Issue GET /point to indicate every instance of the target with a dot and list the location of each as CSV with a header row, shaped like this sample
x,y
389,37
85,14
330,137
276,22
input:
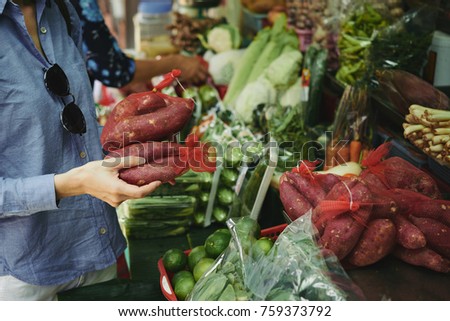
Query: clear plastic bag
x,y
294,269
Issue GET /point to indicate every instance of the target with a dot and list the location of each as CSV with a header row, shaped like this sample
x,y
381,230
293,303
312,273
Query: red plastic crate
x,y
165,276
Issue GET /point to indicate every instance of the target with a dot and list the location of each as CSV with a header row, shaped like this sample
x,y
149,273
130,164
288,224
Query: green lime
x,y
183,287
180,275
196,254
174,260
201,267
248,226
262,246
224,231
216,243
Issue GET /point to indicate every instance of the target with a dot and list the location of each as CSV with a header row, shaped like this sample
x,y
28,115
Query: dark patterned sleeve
x,y
105,60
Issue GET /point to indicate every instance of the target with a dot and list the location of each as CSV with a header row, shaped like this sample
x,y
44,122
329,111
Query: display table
x,y
389,279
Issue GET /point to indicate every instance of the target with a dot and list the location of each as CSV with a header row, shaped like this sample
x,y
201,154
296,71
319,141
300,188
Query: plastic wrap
x,y
404,44
295,268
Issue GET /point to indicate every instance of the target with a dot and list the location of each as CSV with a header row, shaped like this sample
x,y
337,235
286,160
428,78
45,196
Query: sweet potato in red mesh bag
x,y
344,219
395,172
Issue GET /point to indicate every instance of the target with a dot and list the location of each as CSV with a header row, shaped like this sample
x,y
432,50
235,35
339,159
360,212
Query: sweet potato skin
x,y
294,203
165,170
311,190
424,257
436,234
408,235
376,242
341,233
151,117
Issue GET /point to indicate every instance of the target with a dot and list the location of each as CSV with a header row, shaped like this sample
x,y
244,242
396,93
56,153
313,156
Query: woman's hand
x,y
101,180
193,69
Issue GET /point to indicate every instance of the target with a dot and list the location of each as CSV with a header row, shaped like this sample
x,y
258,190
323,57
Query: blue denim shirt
x,y
43,242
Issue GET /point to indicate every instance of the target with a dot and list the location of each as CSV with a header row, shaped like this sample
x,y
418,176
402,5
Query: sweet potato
x,y
436,209
145,117
424,257
377,241
165,170
341,233
326,181
436,233
294,203
399,173
150,150
338,191
312,191
408,235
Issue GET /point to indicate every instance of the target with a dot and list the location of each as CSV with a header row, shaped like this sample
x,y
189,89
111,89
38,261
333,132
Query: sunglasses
x,y
72,118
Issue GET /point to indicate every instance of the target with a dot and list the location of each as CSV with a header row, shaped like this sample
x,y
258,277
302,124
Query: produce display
x,y
293,108
185,30
429,130
390,208
355,38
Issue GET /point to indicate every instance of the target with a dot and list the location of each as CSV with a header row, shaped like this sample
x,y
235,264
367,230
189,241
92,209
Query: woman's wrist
x,y
69,183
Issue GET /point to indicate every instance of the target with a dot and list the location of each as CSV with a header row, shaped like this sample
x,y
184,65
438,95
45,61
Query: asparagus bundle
x,y
429,129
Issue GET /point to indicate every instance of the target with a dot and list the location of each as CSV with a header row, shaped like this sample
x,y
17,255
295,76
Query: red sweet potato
x,y
149,150
165,170
436,233
327,181
408,235
436,209
377,241
145,117
306,185
339,191
342,232
396,172
424,257
294,203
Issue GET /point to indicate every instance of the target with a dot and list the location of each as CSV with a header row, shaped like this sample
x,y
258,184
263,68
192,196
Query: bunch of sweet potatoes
x,y
363,219
142,125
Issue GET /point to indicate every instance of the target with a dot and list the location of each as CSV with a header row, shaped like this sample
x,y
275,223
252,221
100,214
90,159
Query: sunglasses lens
x,y
72,119
56,81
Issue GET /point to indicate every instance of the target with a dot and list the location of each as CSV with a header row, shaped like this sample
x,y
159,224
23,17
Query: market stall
x,y
321,127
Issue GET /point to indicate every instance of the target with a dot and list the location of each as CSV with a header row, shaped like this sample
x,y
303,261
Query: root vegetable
x,y
311,190
408,235
436,233
376,242
143,117
294,203
424,257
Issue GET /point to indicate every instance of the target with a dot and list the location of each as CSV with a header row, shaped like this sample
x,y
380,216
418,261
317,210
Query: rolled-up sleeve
x,y
26,196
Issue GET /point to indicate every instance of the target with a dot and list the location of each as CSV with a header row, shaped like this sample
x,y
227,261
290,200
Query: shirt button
x,y
102,231
82,154
43,30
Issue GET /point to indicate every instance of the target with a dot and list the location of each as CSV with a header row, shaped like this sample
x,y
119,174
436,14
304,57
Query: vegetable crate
x,y
165,276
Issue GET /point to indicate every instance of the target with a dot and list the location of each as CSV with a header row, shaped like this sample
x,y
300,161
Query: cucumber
x,y
220,214
225,196
229,177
